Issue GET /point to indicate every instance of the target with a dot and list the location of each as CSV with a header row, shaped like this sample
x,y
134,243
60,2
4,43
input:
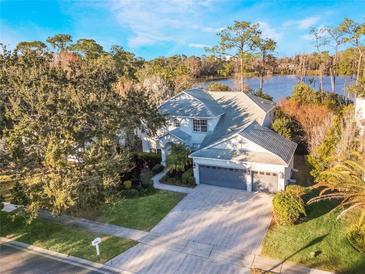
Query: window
x,y
176,123
200,125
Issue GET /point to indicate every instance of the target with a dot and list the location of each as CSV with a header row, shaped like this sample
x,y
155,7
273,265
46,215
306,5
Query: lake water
x,y
281,86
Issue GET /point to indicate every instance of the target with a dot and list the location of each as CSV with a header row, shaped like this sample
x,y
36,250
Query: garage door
x,y
224,177
265,181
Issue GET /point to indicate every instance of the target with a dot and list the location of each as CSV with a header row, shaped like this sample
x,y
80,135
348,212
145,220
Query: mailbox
x,y
96,243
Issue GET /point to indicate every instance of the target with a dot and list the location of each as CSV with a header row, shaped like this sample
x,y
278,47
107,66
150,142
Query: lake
x,y
281,86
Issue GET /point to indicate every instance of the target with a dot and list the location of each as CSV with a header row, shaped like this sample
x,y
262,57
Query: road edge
x,y
101,268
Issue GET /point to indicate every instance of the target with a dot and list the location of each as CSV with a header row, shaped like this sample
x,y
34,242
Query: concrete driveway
x,y
212,230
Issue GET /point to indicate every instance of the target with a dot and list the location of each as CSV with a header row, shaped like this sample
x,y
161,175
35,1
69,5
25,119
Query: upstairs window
x,y
200,125
176,123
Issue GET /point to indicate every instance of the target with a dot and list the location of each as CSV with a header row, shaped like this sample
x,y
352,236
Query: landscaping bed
x,y
318,242
140,212
185,179
62,239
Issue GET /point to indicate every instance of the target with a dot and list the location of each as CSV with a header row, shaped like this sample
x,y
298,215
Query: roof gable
x,y
270,140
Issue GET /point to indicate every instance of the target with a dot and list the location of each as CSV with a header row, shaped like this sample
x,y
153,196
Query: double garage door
x,y
220,176
236,178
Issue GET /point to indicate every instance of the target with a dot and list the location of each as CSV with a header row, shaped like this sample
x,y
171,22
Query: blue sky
x,y
153,28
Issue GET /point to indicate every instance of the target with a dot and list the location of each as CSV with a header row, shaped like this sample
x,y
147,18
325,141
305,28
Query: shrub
x,y
187,177
18,195
178,160
215,86
130,193
147,158
297,190
146,177
157,169
170,180
127,184
1,202
356,237
288,208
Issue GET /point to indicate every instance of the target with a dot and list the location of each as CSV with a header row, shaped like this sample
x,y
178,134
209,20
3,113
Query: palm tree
x,y
178,160
345,182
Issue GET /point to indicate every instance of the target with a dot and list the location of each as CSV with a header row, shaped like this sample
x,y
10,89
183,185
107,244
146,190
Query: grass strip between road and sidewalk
x,y
62,239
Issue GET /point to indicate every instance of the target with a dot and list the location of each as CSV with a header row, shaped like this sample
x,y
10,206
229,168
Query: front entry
x,y
224,177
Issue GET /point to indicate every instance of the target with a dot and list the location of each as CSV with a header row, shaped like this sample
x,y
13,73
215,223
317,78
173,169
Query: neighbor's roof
x,y
282,148
192,103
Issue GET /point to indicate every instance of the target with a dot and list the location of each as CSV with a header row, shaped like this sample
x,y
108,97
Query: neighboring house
x,y
231,143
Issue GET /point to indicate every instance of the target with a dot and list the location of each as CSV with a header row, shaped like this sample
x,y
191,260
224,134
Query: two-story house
x,y
228,134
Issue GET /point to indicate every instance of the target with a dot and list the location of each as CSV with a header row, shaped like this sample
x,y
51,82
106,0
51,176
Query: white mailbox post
x,y
96,243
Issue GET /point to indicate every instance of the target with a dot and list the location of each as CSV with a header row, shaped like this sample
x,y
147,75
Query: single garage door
x,y
224,177
265,181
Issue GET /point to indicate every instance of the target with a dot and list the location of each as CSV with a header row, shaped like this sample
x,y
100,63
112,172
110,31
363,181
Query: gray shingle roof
x,y
239,155
239,111
192,103
180,135
266,105
270,140
207,99
282,148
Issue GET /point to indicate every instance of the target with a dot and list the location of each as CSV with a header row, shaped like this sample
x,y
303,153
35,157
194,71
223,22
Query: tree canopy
x,y
67,132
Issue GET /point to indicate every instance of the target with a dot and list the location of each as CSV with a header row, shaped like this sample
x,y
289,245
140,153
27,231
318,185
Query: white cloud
x,y
269,32
214,30
304,23
308,37
198,46
308,22
153,21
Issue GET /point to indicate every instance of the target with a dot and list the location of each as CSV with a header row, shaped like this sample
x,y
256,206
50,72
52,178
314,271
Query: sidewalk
x,y
101,268
158,185
97,227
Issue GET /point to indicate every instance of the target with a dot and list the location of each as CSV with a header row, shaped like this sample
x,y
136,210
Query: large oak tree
x,y
61,126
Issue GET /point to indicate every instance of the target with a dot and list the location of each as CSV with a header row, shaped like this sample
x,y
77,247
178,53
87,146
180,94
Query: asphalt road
x,y
14,261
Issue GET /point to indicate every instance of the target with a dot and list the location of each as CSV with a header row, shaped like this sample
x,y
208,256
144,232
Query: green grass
x,y
55,237
141,213
322,234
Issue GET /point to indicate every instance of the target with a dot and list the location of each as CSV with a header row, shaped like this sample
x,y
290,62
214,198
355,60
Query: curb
x,y
101,268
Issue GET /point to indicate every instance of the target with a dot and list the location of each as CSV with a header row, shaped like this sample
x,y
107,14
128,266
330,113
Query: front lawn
x,y
319,242
59,238
142,212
